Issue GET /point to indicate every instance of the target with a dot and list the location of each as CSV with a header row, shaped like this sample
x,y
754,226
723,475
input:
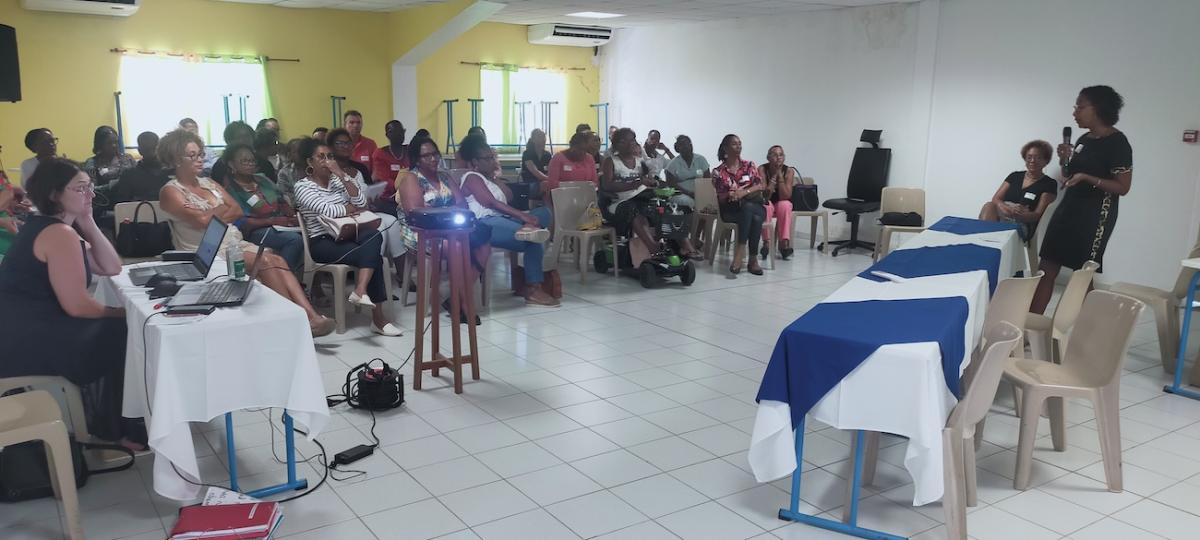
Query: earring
x,y
308,170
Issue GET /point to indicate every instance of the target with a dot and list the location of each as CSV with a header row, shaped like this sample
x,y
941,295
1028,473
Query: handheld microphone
x,y
1065,162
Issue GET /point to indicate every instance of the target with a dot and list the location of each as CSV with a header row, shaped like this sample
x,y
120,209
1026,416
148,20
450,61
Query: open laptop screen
x,y
206,252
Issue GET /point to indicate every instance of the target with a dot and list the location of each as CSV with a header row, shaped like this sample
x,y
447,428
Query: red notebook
x,y
226,522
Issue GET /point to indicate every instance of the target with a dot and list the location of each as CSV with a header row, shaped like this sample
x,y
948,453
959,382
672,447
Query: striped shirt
x,y
313,200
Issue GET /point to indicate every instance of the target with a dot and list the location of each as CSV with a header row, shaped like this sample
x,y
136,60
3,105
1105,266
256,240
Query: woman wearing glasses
x,y
263,207
49,322
191,201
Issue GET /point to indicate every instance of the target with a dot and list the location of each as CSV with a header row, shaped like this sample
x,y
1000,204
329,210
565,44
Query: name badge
x,y
364,158
253,200
103,171
699,172
1029,196
395,166
568,168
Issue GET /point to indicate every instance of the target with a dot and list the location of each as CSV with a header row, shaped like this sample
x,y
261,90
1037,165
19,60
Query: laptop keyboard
x,y
222,291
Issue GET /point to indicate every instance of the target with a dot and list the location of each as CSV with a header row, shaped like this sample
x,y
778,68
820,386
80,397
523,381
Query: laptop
x,y
224,293
196,270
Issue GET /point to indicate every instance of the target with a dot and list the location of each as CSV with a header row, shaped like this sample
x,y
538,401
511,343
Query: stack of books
x,y
225,515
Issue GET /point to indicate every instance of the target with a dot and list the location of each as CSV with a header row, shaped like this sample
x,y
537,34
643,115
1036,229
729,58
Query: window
x,y
502,87
157,91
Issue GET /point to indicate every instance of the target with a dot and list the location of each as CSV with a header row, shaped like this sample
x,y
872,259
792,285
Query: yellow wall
x,y
68,74
442,76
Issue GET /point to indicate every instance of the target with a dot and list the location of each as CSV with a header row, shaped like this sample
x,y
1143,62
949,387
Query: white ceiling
x,y
637,12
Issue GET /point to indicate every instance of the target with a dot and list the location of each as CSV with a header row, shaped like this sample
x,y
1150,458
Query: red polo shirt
x,y
363,150
385,167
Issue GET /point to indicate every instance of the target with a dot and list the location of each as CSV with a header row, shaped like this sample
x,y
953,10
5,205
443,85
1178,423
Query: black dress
x,y
39,338
1084,221
1028,196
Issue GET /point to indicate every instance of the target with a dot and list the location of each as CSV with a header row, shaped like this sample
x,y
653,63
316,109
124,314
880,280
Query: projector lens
x,y
459,219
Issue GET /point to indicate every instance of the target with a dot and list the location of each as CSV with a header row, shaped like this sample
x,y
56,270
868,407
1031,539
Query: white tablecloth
x,y
899,389
197,368
1013,258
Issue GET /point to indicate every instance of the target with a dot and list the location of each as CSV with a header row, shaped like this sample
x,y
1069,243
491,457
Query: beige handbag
x,y
350,227
591,218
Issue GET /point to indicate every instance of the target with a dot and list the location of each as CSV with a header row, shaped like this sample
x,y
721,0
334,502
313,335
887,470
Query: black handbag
x,y
143,239
25,473
901,219
805,199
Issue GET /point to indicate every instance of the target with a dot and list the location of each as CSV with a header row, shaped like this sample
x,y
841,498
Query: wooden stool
x,y
430,245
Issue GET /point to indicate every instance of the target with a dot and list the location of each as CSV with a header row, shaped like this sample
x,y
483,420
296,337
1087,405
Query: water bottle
x,y
235,263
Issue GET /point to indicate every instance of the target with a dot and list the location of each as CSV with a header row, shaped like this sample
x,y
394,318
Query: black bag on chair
x,y
804,198
136,239
901,219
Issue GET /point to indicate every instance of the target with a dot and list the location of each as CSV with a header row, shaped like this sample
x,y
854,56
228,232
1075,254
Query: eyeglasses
x,y
431,155
195,157
343,143
84,188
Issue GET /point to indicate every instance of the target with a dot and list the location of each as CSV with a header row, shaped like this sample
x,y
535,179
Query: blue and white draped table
x,y
878,355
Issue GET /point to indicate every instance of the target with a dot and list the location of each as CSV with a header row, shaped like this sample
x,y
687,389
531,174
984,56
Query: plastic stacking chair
x,y
34,416
569,205
903,200
1165,306
339,273
958,450
1048,335
814,216
72,398
1090,369
707,214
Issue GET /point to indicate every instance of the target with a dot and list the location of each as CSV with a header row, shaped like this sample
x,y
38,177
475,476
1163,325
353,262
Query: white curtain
x,y
157,91
501,86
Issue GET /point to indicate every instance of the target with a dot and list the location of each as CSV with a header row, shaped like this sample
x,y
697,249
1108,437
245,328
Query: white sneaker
x,y
363,301
389,330
537,236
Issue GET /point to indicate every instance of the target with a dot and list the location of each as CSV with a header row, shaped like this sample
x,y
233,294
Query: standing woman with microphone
x,y
1098,170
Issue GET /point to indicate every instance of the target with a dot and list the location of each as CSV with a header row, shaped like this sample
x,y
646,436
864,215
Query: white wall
x,y
957,86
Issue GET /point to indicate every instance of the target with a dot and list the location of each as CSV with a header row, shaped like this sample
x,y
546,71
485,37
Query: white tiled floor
x,y
626,414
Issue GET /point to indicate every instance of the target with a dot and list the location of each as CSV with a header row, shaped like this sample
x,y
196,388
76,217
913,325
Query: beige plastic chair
x,y
814,216
339,273
569,205
898,199
958,452
127,211
35,416
72,398
1165,306
1090,369
706,214
721,232
1047,335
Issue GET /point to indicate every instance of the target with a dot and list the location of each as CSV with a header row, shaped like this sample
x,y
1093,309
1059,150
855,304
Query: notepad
x,y
242,521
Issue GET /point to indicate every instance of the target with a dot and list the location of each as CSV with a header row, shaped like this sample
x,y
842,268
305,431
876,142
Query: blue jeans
x,y
288,245
504,230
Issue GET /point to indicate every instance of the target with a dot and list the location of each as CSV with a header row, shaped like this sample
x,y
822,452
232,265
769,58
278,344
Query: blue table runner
x,y
937,261
958,225
822,347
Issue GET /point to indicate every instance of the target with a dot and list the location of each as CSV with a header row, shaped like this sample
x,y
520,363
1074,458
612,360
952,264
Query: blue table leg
x,y
792,513
292,483
1183,339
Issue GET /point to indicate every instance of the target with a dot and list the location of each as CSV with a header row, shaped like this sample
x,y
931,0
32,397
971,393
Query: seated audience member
x,y
683,170
779,179
240,133
574,164
263,207
49,322
268,123
583,128
421,133
626,176
210,158
329,191
740,196
292,172
386,164
44,146
144,180
109,161
477,130
320,133
266,146
427,185
511,229
656,153
363,146
191,201
535,159
12,202
343,150
1025,195
608,151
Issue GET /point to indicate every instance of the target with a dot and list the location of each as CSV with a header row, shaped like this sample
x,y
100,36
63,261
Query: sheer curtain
x,y
157,91
501,86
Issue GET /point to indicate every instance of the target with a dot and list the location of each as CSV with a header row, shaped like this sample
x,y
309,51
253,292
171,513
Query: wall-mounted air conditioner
x,y
115,8
569,35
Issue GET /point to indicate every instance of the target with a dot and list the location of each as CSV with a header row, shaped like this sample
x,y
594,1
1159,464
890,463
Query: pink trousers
x,y
782,212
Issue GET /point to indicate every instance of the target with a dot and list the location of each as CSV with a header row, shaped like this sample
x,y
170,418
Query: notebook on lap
x,y
195,270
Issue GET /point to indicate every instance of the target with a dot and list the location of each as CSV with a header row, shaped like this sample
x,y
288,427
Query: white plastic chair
x,y
34,416
340,273
903,200
569,205
1047,335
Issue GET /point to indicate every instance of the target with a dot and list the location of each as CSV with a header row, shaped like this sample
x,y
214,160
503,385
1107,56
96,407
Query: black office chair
x,y
864,189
